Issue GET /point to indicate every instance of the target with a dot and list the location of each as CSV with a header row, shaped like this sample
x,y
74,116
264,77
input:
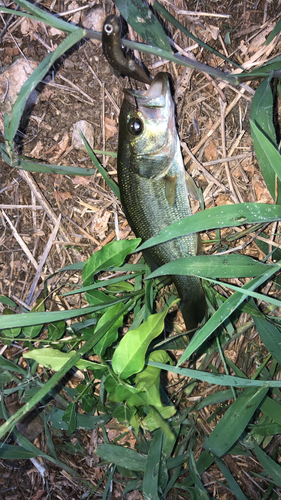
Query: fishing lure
x,y
112,50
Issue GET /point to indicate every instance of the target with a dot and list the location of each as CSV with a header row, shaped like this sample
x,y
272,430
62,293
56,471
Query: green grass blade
x,y
233,485
217,217
263,71
36,77
89,344
216,379
262,118
152,467
214,399
45,17
10,452
45,168
249,293
234,421
270,158
227,308
182,60
274,32
270,467
270,336
27,319
272,409
110,182
157,6
119,455
144,22
214,266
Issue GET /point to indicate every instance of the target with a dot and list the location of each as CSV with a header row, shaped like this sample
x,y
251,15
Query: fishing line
x,y
130,82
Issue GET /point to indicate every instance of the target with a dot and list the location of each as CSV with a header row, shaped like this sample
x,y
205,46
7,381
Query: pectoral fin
x,y
191,187
170,188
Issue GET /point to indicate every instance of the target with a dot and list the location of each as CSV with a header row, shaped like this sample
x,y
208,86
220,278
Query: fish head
x,y
147,131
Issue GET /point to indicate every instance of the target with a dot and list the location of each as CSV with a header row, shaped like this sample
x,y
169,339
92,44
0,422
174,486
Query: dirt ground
x,y
81,86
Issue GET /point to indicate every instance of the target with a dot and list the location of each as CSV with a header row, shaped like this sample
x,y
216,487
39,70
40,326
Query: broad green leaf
x,y
124,286
154,420
235,419
270,336
110,255
11,333
119,455
271,468
97,297
56,330
151,473
33,331
69,417
213,266
262,119
123,413
129,356
269,159
216,218
86,422
112,334
144,22
55,359
148,381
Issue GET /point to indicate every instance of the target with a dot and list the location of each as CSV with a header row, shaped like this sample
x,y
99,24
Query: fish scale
x,y
154,186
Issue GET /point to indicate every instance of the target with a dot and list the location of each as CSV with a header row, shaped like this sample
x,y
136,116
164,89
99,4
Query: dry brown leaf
x,y
111,128
28,25
61,147
222,199
260,39
99,225
61,196
81,181
36,152
214,30
54,32
211,151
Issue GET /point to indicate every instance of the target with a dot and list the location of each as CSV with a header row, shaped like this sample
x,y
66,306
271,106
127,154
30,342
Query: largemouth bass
x,y
154,185
112,50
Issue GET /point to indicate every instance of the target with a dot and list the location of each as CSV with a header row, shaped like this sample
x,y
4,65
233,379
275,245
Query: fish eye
x,y
135,126
108,28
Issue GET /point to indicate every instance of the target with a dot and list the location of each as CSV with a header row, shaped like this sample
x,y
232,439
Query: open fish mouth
x,y
156,95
